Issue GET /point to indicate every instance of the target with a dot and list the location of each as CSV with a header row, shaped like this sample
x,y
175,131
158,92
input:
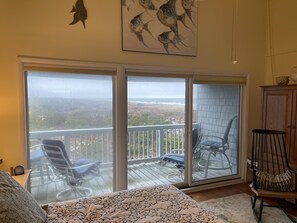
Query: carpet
x,y
237,209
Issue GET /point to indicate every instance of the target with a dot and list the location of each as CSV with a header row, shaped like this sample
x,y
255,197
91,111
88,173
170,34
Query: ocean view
x,y
179,101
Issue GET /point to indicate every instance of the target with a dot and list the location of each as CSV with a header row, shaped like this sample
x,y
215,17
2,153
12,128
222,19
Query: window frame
x,y
120,107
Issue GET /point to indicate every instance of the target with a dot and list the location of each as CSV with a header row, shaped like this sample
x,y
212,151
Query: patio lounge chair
x,y
179,159
73,172
211,146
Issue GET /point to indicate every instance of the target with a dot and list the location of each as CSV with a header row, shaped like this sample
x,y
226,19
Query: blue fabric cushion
x,y
175,158
212,144
87,166
16,204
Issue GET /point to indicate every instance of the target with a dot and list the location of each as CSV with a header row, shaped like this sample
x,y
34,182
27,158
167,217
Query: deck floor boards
x,y
139,175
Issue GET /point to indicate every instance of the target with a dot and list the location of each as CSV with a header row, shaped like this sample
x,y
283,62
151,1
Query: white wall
x,y
281,50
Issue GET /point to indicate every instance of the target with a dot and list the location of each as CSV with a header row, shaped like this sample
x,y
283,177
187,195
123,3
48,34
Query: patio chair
x,y
74,172
211,146
272,175
179,159
40,166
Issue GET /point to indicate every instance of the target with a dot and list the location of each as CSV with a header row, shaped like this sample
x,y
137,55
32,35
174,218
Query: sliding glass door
x,y
70,134
178,130
216,117
156,129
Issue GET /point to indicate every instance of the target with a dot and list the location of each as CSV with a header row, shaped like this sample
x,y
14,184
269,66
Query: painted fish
x,y
147,4
187,5
168,17
166,39
137,26
80,13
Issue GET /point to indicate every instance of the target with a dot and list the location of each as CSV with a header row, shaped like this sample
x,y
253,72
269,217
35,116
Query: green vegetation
x,y
61,113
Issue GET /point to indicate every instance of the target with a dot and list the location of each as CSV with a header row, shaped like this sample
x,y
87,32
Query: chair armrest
x,y
37,145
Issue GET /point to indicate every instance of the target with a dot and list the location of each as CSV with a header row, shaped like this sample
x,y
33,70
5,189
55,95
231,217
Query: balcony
x,y
146,144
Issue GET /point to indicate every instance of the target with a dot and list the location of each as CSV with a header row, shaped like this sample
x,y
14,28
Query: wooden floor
x,y
235,189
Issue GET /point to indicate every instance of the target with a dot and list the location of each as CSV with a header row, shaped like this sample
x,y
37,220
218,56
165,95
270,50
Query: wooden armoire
x,y
279,112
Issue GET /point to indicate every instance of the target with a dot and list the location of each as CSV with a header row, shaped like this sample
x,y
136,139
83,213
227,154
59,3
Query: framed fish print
x,y
160,26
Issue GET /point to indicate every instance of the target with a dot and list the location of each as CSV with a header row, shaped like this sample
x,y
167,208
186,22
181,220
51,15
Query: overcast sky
x,y
50,84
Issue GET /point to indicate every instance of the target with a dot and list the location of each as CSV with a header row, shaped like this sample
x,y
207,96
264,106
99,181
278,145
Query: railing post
x,y
67,144
152,135
161,152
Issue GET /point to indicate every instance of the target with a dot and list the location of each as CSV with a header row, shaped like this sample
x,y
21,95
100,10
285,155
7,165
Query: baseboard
x,y
212,185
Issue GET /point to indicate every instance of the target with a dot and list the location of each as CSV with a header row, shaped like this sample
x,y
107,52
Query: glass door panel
x,y
156,131
215,115
70,134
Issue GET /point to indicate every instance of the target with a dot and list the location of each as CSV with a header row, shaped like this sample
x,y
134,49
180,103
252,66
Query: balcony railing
x,y
144,142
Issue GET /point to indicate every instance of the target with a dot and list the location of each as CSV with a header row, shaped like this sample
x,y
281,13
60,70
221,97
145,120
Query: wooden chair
x,y
272,175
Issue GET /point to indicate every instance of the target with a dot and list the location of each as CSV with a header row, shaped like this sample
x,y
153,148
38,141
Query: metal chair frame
x,y
272,175
212,145
68,171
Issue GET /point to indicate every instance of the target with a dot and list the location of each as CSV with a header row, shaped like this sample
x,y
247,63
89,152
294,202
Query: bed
x,y
143,205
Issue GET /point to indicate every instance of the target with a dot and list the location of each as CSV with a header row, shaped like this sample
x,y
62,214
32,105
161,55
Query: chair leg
x,y
290,217
207,164
261,210
259,216
76,190
222,160
253,202
229,163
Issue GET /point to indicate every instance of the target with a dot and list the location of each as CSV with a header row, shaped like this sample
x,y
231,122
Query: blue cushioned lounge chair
x,y
74,172
179,159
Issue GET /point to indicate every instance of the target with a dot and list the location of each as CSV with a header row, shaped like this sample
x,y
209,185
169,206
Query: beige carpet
x,y
237,209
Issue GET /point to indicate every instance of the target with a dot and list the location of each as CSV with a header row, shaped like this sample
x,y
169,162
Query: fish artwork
x,y
165,39
160,26
137,26
168,17
187,6
80,13
147,4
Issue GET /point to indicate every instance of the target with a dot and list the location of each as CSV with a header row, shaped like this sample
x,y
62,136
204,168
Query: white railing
x,y
144,142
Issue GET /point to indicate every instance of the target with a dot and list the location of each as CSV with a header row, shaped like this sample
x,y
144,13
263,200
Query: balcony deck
x,y
143,174
146,144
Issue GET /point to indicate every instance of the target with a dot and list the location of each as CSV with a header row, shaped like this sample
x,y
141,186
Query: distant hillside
x,y
64,113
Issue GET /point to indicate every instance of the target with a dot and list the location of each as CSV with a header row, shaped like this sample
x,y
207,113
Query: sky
x,y
64,85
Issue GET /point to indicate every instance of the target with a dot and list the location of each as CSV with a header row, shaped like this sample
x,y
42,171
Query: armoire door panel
x,y
278,113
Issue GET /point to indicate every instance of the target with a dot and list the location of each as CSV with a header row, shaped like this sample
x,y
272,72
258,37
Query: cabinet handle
x,y
294,126
289,126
